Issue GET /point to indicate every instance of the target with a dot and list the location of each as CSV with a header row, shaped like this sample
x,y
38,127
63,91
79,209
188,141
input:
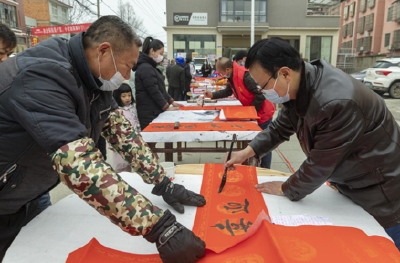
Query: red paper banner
x,y
55,30
206,126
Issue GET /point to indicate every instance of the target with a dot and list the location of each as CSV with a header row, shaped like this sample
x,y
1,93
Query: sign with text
x,y
191,19
55,30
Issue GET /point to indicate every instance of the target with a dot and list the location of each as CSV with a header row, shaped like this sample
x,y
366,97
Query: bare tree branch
x,y
127,13
81,11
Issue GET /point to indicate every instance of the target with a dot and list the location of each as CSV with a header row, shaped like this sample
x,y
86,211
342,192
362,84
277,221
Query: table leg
x,y
179,146
169,157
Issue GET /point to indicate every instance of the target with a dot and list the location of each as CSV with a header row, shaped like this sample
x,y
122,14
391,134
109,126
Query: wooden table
x,y
198,116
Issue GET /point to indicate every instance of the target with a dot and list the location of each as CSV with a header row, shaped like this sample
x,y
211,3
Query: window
x,y
346,12
240,11
64,14
369,22
387,39
359,45
396,11
390,14
363,6
367,44
350,29
396,39
201,44
8,15
352,9
371,3
54,11
344,31
383,64
361,22
319,47
21,40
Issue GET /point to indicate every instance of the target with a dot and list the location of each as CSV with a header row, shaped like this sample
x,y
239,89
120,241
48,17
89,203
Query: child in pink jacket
x,y
123,97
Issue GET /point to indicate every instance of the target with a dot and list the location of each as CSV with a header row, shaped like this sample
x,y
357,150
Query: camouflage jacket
x,y
52,112
82,168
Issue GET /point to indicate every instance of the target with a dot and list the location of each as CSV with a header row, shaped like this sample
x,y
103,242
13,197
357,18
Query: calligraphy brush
x,y
221,187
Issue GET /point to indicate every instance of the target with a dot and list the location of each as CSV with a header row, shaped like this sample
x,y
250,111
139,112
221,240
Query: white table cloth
x,y
71,223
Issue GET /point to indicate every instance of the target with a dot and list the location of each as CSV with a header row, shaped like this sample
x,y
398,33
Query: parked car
x,y
384,77
359,75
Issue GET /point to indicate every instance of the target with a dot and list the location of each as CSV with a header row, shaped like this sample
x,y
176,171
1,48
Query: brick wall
x,y
37,9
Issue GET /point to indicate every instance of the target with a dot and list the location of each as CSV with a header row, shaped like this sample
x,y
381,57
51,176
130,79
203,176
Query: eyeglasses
x,y
267,82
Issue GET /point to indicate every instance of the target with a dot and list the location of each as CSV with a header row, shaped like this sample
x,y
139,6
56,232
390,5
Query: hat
x,y
180,60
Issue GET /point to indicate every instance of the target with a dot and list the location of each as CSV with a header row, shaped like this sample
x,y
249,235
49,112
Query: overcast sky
x,y
151,11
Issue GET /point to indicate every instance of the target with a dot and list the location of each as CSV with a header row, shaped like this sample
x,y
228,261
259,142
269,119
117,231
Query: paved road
x,y
394,106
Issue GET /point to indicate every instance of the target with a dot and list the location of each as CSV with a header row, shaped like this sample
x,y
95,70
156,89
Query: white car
x,y
384,77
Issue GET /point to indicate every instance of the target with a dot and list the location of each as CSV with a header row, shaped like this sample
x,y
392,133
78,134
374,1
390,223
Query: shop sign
x,y
191,19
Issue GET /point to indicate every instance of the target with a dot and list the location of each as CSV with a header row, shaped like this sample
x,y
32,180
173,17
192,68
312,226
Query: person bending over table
x,y
348,134
243,87
55,102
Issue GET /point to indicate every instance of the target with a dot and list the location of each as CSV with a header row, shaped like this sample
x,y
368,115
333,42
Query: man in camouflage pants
x,y
55,103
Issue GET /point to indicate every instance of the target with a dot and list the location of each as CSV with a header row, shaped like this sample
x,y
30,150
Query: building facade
x,y
218,28
48,13
370,30
12,14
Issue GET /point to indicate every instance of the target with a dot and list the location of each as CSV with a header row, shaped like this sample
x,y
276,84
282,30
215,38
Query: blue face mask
x,y
205,63
273,96
192,63
241,64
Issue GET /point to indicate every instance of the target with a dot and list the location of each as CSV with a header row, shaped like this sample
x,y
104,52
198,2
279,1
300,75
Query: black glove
x,y
176,195
175,243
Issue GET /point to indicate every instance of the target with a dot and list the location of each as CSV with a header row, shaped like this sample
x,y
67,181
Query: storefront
x,y
221,28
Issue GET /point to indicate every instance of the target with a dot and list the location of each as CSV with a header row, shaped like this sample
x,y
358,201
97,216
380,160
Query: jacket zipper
x,y
10,170
101,112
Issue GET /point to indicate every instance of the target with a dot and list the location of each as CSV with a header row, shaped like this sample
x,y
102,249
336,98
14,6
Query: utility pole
x,y
252,23
98,8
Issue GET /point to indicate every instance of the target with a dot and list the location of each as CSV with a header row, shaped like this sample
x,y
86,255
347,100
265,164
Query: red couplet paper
x,y
227,217
206,126
94,252
237,113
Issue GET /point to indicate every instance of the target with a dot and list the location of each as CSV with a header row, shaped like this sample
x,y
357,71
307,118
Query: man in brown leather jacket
x,y
349,136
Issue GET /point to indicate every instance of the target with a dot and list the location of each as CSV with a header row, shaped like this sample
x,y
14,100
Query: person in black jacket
x,y
151,96
349,136
176,83
206,69
188,78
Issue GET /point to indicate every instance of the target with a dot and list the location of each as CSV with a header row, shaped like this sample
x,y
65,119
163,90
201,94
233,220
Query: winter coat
x,y
151,95
349,137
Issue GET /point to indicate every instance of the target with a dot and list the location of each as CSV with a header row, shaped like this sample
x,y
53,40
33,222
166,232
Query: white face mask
x,y
159,58
273,96
115,82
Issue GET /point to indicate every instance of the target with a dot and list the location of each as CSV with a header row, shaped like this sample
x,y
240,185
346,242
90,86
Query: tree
x,y
126,12
81,11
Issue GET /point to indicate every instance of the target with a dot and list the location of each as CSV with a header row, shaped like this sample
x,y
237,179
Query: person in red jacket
x,y
244,88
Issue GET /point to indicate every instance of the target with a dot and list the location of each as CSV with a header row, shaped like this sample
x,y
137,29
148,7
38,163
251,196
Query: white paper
x,y
222,116
300,220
